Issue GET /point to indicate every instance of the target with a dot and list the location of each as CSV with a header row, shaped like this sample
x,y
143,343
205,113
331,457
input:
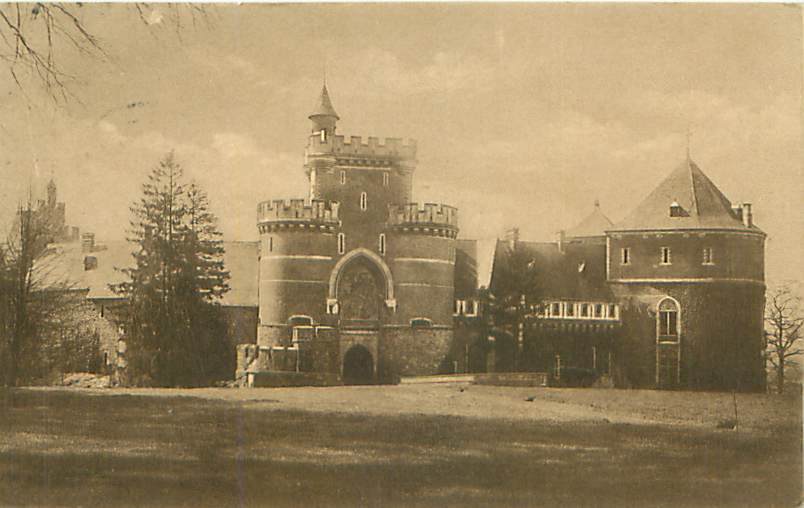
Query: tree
x,y
32,298
783,321
175,325
31,34
513,294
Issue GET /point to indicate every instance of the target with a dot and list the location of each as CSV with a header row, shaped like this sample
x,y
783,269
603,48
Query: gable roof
x,y
62,267
577,273
702,204
594,224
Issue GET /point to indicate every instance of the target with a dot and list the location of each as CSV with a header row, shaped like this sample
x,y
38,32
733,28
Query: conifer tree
x,y
175,325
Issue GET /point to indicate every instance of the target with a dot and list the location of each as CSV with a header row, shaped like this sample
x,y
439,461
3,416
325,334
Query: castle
x,y
670,297
358,282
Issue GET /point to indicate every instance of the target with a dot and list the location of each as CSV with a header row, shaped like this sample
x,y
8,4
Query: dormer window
x,y
676,210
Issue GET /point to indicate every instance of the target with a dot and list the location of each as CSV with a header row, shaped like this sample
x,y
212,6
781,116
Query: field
x,y
407,445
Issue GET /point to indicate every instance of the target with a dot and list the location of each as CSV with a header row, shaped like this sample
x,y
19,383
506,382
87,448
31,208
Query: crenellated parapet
x,y
354,145
298,213
432,218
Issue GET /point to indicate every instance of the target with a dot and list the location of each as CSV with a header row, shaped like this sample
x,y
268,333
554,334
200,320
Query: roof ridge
x,y
692,185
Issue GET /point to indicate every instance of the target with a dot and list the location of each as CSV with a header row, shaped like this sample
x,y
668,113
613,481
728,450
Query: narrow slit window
x,y
363,201
270,244
343,177
341,243
382,243
385,179
708,256
625,256
665,256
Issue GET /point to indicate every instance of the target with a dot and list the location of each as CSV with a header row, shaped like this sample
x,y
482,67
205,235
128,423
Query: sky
x,y
524,114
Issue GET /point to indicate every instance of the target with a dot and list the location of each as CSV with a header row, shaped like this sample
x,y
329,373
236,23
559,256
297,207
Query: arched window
x,y
667,320
421,322
382,243
341,243
363,201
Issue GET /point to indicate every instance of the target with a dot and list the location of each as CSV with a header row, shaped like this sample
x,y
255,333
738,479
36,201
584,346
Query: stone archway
x,y
374,263
358,366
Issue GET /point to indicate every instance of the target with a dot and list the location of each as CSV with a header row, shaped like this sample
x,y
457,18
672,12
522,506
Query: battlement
x,y
354,145
298,210
432,214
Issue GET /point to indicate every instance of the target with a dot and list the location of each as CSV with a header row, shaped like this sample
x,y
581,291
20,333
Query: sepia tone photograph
x,y
401,254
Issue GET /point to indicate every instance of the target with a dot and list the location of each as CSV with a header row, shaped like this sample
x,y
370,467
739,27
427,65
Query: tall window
x,y
363,201
668,320
323,136
341,243
569,309
382,243
708,257
343,177
665,256
386,178
270,244
625,256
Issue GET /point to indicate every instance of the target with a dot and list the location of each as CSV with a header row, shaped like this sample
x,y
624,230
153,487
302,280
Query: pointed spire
x,y
324,105
689,137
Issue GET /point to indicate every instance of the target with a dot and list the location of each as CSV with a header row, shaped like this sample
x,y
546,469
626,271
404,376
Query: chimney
x,y
512,235
748,217
562,236
87,242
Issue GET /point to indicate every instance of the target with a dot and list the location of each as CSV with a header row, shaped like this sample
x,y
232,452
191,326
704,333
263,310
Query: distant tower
x,y
51,194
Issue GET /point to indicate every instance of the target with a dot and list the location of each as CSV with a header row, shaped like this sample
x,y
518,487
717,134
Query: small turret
x,y
324,116
51,193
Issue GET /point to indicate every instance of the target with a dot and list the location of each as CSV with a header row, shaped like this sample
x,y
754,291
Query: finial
x,y
689,137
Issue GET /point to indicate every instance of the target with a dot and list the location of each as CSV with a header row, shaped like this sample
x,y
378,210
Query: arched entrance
x,y
358,366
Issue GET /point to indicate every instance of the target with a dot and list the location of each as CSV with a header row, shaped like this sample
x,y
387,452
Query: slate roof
x,y
465,269
703,205
594,224
62,267
324,105
578,273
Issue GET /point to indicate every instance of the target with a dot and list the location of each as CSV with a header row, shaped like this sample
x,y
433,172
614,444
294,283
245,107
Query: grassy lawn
x,y
106,448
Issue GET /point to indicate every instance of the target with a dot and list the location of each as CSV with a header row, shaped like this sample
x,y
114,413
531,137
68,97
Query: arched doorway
x,y
358,366
668,343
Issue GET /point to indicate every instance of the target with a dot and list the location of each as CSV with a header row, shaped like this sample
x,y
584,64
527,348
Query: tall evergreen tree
x,y
175,326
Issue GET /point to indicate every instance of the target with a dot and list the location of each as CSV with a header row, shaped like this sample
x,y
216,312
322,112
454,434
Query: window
x,y
625,256
382,243
668,319
341,243
613,311
584,310
323,136
471,308
421,323
460,307
386,178
665,256
598,310
676,210
343,177
363,201
555,309
708,257
270,244
569,309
